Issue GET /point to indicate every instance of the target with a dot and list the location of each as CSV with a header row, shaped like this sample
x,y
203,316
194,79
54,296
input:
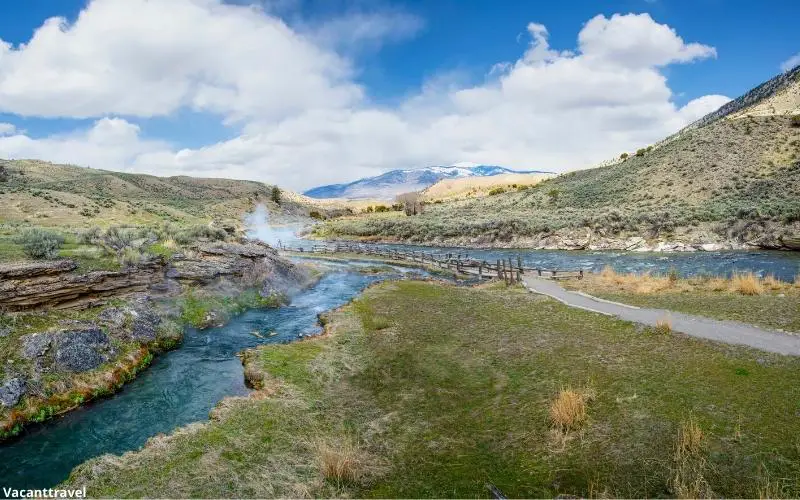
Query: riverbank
x,y
423,389
69,337
763,301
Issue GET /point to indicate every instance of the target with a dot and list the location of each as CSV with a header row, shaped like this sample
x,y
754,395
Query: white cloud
x,y
791,63
7,129
147,58
305,119
111,143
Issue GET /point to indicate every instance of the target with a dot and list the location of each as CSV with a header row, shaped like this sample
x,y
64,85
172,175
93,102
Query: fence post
x,y
519,265
580,275
539,271
499,271
480,270
505,274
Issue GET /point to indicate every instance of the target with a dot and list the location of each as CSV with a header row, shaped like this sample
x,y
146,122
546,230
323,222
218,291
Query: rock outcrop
x,y
54,285
82,350
11,391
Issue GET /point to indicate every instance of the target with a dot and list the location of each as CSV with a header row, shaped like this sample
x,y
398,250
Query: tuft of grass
x,y
568,410
689,463
747,284
340,463
663,326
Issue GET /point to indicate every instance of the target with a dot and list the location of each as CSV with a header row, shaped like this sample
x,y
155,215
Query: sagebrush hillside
x,y
45,194
735,179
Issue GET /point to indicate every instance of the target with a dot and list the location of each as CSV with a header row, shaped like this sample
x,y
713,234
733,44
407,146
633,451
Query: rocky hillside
x,y
45,194
67,336
732,180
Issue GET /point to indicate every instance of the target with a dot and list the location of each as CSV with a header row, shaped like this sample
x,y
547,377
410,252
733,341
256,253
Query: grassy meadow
x,y
424,389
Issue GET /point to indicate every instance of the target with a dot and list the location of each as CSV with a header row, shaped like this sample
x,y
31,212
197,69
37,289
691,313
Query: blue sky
x,y
377,85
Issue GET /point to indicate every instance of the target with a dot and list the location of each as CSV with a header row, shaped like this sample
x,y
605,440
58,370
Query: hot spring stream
x,y
182,386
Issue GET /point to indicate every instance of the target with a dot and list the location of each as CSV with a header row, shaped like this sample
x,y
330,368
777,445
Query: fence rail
x,y
509,270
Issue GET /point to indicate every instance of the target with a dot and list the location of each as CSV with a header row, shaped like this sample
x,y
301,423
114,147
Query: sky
x,y
309,92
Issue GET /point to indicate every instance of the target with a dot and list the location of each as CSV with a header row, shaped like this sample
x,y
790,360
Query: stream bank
x,y
69,338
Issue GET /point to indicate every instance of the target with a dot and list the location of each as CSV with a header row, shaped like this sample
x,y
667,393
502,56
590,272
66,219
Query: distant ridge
x,y
394,182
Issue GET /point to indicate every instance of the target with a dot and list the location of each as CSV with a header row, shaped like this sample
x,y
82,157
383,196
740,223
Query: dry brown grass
x,y
689,462
743,283
341,463
747,284
663,325
568,409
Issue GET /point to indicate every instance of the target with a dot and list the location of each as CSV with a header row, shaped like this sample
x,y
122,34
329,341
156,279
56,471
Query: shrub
x,y
623,156
3,174
641,152
795,121
39,243
89,236
275,195
315,215
497,190
193,233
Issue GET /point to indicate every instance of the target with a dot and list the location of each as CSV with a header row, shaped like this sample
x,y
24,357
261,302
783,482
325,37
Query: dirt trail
x,y
729,332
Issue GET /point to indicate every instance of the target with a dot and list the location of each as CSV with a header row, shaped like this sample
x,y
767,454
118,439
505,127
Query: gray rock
x,y
11,390
82,350
112,316
145,325
35,345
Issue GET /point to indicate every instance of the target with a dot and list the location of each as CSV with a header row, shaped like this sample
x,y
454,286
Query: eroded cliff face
x,y
68,337
51,285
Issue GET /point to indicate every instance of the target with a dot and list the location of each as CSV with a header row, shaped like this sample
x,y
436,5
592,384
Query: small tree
x,y
40,243
553,194
412,203
623,156
275,195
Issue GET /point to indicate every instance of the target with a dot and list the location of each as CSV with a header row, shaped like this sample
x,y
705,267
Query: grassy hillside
x,y
476,187
44,194
735,179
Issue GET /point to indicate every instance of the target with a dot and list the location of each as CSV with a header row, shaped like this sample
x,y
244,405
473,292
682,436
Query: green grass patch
x,y
456,394
201,311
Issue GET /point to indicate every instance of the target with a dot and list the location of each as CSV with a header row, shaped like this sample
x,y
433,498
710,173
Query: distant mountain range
x,y
394,182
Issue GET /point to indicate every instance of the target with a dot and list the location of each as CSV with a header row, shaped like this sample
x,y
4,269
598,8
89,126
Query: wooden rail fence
x,y
509,270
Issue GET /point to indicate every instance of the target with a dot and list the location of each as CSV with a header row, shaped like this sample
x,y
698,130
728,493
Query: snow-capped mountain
x,y
394,182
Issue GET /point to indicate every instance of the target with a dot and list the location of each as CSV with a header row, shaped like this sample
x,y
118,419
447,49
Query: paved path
x,y
730,332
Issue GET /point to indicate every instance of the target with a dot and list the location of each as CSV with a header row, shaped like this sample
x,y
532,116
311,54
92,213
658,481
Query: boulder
x,y
112,316
11,390
36,345
82,350
145,325
711,247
